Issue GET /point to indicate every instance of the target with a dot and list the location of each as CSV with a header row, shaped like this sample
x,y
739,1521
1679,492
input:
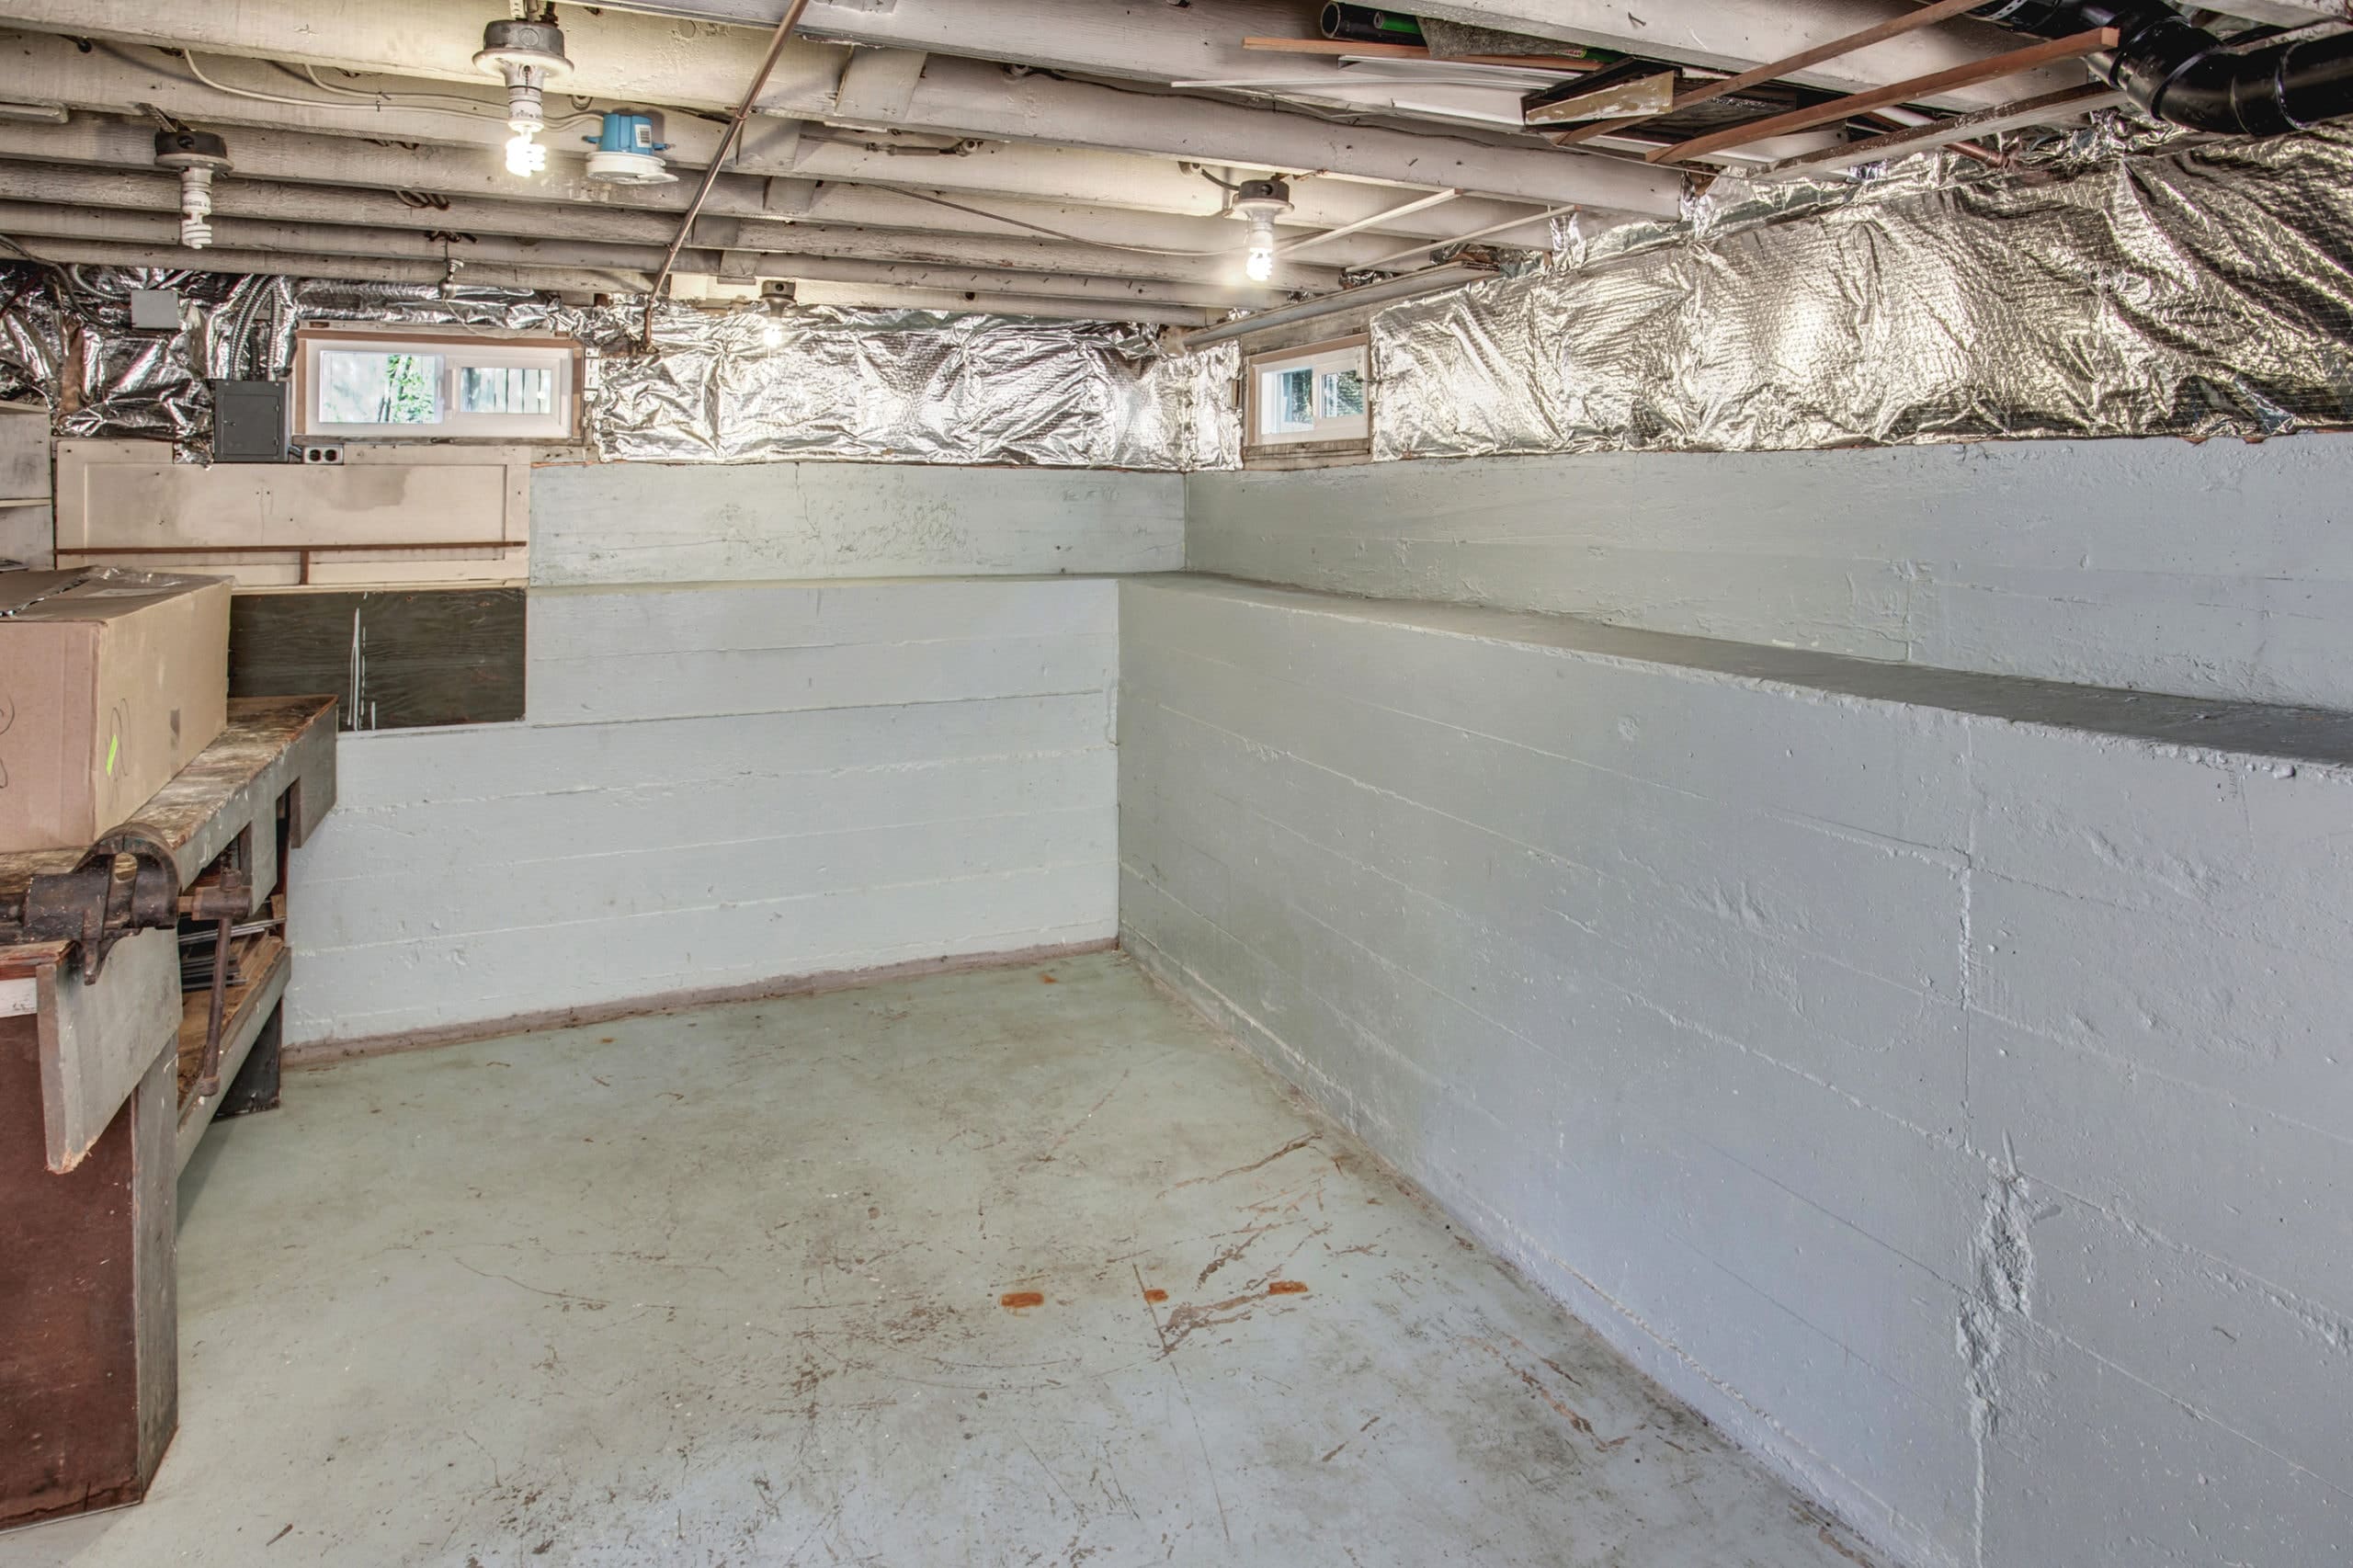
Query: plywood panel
x,y
252,520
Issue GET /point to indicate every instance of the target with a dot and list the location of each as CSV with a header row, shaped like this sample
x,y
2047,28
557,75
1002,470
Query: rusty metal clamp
x,y
93,907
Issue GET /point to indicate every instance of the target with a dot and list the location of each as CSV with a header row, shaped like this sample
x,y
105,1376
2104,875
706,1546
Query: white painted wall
x,y
721,785
721,779
1952,1108
2221,570
689,522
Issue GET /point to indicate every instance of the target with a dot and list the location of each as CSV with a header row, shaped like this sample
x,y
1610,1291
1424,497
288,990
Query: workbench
x,y
105,1088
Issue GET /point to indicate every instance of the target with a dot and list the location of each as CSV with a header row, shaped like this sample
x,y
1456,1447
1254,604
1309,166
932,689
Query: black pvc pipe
x,y
1367,23
2184,74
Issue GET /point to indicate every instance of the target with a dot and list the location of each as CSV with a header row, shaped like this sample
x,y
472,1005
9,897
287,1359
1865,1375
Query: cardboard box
x,y
110,683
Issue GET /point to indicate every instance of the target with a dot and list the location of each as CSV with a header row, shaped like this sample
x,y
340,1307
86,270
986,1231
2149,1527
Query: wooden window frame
x,y
309,339
1255,449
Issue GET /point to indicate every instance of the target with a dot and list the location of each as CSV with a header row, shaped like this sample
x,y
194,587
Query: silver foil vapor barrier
x,y
812,383
2125,282
2102,291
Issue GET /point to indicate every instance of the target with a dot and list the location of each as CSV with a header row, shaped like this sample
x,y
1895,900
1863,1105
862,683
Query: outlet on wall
x,y
323,454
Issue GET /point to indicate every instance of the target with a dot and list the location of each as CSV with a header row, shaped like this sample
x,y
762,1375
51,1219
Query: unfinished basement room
x,y
1095,783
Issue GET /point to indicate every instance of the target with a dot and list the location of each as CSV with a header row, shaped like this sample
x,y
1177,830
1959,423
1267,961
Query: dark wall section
x,y
398,658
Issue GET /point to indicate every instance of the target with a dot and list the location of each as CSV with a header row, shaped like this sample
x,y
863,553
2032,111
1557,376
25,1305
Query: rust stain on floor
x,y
1015,1301
1156,1294
1288,1288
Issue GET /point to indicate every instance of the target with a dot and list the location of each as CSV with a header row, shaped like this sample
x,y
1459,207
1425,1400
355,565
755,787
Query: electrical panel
x,y
249,422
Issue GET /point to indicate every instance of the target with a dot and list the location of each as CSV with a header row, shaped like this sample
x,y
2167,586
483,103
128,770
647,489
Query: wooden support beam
x,y
1334,49
1789,64
1733,35
2046,108
2074,47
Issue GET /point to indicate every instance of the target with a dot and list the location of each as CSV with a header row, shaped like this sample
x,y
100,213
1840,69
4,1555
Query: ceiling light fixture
x,y
197,155
1259,202
529,55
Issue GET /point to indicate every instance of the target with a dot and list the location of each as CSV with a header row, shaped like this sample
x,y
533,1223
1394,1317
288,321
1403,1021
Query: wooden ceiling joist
x,y
2052,50
1788,64
1335,48
2045,109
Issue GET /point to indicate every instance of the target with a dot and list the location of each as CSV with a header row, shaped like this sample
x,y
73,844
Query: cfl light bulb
x,y
1260,262
525,156
196,207
1258,202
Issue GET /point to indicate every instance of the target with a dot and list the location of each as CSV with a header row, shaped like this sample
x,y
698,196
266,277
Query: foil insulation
x,y
886,386
813,382
2103,290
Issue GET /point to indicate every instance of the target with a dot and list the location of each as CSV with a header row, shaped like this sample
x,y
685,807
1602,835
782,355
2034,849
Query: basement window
x,y
437,386
1309,402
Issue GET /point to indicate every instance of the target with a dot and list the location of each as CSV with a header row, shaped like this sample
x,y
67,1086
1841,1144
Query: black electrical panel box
x,y
249,422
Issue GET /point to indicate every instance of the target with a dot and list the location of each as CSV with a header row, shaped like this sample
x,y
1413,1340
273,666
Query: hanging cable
x,y
383,99
1059,234
426,103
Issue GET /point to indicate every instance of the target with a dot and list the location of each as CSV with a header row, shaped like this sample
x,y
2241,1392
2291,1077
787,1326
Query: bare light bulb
x,y
525,156
1258,202
772,334
527,55
196,207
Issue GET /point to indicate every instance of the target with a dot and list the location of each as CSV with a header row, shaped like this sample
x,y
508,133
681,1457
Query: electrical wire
x,y
427,103
1059,234
469,105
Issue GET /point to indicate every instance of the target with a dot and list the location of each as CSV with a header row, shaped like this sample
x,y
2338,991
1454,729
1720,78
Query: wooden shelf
x,y
264,963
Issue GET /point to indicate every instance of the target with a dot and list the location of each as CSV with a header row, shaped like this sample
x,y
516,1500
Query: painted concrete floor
x,y
744,1286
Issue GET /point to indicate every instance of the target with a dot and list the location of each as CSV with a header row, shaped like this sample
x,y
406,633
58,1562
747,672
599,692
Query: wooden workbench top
x,y
198,811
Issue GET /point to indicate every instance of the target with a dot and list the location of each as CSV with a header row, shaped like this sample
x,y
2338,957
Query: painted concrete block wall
x,y
721,785
1954,1109
2221,570
689,522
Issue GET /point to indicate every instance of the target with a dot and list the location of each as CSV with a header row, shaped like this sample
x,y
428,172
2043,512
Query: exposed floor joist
x,y
114,167
588,247
366,139
931,149
1733,35
624,58
2012,64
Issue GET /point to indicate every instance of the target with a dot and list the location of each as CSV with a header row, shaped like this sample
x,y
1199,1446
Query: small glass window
x,y
1343,395
1317,395
425,387
1288,401
506,390
369,387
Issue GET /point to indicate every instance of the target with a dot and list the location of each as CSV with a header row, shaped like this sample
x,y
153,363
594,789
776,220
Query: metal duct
x,y
2186,76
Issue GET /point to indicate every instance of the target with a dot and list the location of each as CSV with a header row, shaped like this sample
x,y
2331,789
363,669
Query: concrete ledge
x,y
2318,735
